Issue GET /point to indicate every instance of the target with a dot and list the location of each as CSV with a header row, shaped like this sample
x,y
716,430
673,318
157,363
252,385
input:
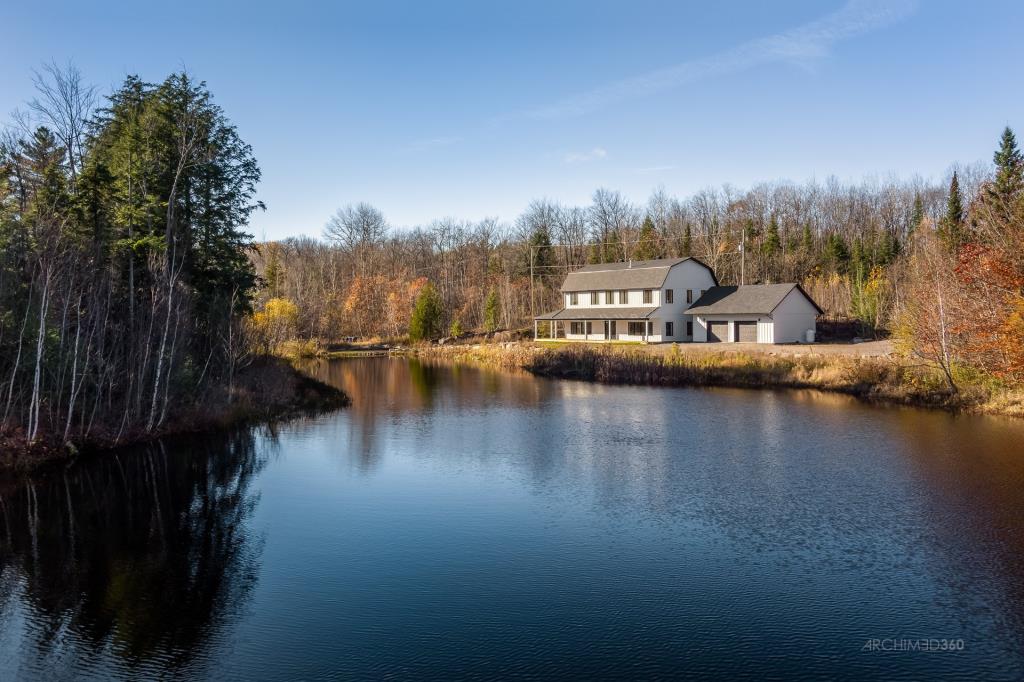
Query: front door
x,y
607,330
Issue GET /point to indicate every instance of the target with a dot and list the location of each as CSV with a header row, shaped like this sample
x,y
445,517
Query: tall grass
x,y
872,379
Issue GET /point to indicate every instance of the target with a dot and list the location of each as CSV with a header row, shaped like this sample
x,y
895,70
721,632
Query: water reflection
x,y
140,558
455,523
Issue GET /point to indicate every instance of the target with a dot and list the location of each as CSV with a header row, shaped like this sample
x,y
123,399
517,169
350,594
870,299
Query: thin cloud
x,y
595,154
799,45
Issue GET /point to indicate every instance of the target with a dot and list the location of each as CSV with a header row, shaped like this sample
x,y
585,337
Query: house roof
x,y
638,274
752,299
598,314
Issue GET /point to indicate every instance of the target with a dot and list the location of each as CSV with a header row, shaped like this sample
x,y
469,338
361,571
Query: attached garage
x,y
759,313
718,332
746,332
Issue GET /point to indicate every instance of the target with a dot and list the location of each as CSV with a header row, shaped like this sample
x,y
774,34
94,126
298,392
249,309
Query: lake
x,y
457,522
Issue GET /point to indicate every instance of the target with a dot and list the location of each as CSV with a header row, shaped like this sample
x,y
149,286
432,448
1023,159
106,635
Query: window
x,y
609,297
669,295
593,298
648,296
689,328
623,297
670,328
636,328
589,329
689,295
574,298
575,327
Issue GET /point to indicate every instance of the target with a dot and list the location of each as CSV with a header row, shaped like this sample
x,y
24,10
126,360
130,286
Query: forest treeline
x,y
125,279
866,252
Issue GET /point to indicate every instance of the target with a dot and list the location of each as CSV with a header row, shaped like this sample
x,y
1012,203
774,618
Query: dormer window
x,y
623,297
574,298
609,297
648,296
593,298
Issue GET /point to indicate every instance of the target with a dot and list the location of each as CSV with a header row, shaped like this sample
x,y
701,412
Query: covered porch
x,y
611,324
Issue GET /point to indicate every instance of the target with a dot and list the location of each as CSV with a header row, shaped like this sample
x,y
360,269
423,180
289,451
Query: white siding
x,y
793,317
686,275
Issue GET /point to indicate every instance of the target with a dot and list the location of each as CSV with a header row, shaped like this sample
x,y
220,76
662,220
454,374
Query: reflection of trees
x,y
146,551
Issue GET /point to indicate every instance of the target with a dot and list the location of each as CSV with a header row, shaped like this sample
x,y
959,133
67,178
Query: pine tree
x,y
918,213
492,310
951,229
647,242
455,329
837,253
807,241
772,242
425,323
686,249
1009,167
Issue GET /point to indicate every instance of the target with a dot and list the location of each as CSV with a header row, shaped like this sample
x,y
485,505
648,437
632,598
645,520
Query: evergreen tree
x,y
951,229
772,242
807,240
837,254
492,310
686,249
425,323
1009,167
888,249
647,243
918,213
455,329
858,258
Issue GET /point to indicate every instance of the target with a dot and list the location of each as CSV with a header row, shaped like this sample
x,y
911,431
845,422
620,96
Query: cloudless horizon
x,y
472,110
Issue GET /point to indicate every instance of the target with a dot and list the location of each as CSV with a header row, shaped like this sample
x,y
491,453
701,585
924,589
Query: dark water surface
x,y
455,522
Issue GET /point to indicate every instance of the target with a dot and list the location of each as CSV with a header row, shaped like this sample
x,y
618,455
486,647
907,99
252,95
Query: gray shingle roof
x,y
610,313
640,274
752,299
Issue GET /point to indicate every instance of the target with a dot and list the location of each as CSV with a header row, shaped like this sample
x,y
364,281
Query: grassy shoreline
x,y
267,391
876,380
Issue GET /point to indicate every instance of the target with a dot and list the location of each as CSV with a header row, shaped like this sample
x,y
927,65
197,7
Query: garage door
x,y
718,332
746,332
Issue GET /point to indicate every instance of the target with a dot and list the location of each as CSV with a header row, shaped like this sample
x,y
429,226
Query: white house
x,y
634,301
675,300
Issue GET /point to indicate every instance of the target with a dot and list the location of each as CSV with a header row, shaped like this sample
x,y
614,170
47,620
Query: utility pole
x,y
743,255
533,313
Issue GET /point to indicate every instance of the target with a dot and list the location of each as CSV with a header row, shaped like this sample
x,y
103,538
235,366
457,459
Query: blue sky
x,y
472,109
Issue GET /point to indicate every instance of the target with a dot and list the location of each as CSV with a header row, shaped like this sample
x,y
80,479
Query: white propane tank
x,y
810,336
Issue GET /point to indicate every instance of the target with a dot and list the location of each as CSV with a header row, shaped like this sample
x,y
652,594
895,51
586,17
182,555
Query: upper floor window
x,y
648,296
609,297
689,295
668,297
623,296
593,298
574,298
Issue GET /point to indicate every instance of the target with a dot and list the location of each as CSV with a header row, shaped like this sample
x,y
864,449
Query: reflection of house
x,y
675,299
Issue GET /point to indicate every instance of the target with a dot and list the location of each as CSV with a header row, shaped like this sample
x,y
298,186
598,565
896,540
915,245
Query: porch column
x,y
535,329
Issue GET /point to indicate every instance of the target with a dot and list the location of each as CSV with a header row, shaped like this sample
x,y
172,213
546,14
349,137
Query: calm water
x,y
457,523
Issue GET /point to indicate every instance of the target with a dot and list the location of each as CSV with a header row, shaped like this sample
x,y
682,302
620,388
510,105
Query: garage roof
x,y
752,299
